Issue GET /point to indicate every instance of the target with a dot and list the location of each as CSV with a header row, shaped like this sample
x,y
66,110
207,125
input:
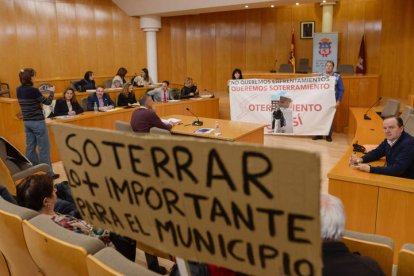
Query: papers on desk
x,y
173,101
173,121
65,116
206,96
91,90
204,130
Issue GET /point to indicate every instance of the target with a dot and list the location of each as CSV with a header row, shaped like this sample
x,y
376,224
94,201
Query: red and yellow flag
x,y
292,52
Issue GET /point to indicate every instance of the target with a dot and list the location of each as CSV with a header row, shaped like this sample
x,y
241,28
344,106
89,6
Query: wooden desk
x,y
360,91
230,130
373,203
202,107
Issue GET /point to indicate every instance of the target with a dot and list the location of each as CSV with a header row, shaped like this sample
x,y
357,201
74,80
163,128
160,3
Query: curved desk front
x,y
373,203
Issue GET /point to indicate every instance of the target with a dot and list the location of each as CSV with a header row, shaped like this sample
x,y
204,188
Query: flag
x,y
361,67
292,52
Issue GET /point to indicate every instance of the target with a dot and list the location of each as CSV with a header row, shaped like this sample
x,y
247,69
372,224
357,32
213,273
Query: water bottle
x,y
95,107
217,130
354,157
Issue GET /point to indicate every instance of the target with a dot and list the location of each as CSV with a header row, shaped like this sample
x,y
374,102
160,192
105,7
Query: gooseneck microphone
x,y
366,117
197,122
274,67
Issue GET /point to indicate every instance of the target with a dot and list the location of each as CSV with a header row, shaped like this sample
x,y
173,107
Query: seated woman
x,y
101,99
189,90
119,77
127,97
87,83
143,79
67,105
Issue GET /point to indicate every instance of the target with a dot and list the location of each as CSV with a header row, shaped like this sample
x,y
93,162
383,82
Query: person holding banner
x,y
237,74
339,92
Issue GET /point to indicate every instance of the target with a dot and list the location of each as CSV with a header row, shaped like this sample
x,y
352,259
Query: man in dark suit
x,y
102,100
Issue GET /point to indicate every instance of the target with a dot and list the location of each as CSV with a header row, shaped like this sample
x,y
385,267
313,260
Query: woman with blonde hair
x,y
127,96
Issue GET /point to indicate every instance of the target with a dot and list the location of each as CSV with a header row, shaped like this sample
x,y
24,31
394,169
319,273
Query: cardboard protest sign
x,y
248,208
299,106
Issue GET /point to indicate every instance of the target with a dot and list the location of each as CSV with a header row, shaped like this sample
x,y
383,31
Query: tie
x,y
165,95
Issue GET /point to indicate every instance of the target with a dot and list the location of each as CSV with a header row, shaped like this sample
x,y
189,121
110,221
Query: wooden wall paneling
x,y
237,42
86,37
253,39
268,51
137,44
65,45
223,49
8,45
120,39
178,49
373,26
283,34
208,51
104,38
164,49
193,46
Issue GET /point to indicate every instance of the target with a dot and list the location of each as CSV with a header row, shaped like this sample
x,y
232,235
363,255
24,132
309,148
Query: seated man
x,y
161,94
337,259
398,149
101,99
144,118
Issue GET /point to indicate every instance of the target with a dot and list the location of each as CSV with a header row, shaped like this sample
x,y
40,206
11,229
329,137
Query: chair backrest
x,y
345,69
4,268
286,68
12,242
302,68
406,113
159,131
391,108
406,260
108,261
84,103
379,248
6,178
304,61
409,125
56,250
123,126
108,83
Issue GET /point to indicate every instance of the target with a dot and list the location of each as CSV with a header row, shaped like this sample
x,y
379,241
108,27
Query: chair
x,y
286,68
123,126
391,108
345,69
108,261
379,248
4,269
18,165
12,242
108,83
406,113
304,61
84,103
48,109
409,126
303,68
4,89
159,131
406,260
73,85
56,250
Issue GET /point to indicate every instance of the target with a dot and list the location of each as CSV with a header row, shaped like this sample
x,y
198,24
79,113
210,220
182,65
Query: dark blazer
x,y
84,85
123,101
399,157
61,108
185,92
94,99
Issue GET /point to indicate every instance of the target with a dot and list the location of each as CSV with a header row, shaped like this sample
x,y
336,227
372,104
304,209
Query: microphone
x,y
195,123
274,67
366,117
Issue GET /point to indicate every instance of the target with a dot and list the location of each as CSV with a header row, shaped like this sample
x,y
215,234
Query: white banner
x,y
325,47
302,106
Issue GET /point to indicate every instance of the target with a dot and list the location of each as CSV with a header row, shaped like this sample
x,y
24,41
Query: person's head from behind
x,y
27,76
146,101
69,95
332,218
329,66
37,192
117,84
188,82
165,84
122,72
88,76
237,74
393,127
145,74
127,88
99,91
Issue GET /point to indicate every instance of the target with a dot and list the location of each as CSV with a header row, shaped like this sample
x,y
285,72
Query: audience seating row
x,y
32,244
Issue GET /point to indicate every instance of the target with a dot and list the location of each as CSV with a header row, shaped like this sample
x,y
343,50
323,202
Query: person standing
x,y
37,137
339,92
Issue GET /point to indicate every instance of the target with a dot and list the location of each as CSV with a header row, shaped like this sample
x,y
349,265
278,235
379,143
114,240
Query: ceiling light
x,y
297,3
272,6
246,6
324,1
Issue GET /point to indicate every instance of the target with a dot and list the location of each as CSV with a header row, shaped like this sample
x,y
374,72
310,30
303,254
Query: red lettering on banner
x,y
307,107
259,107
